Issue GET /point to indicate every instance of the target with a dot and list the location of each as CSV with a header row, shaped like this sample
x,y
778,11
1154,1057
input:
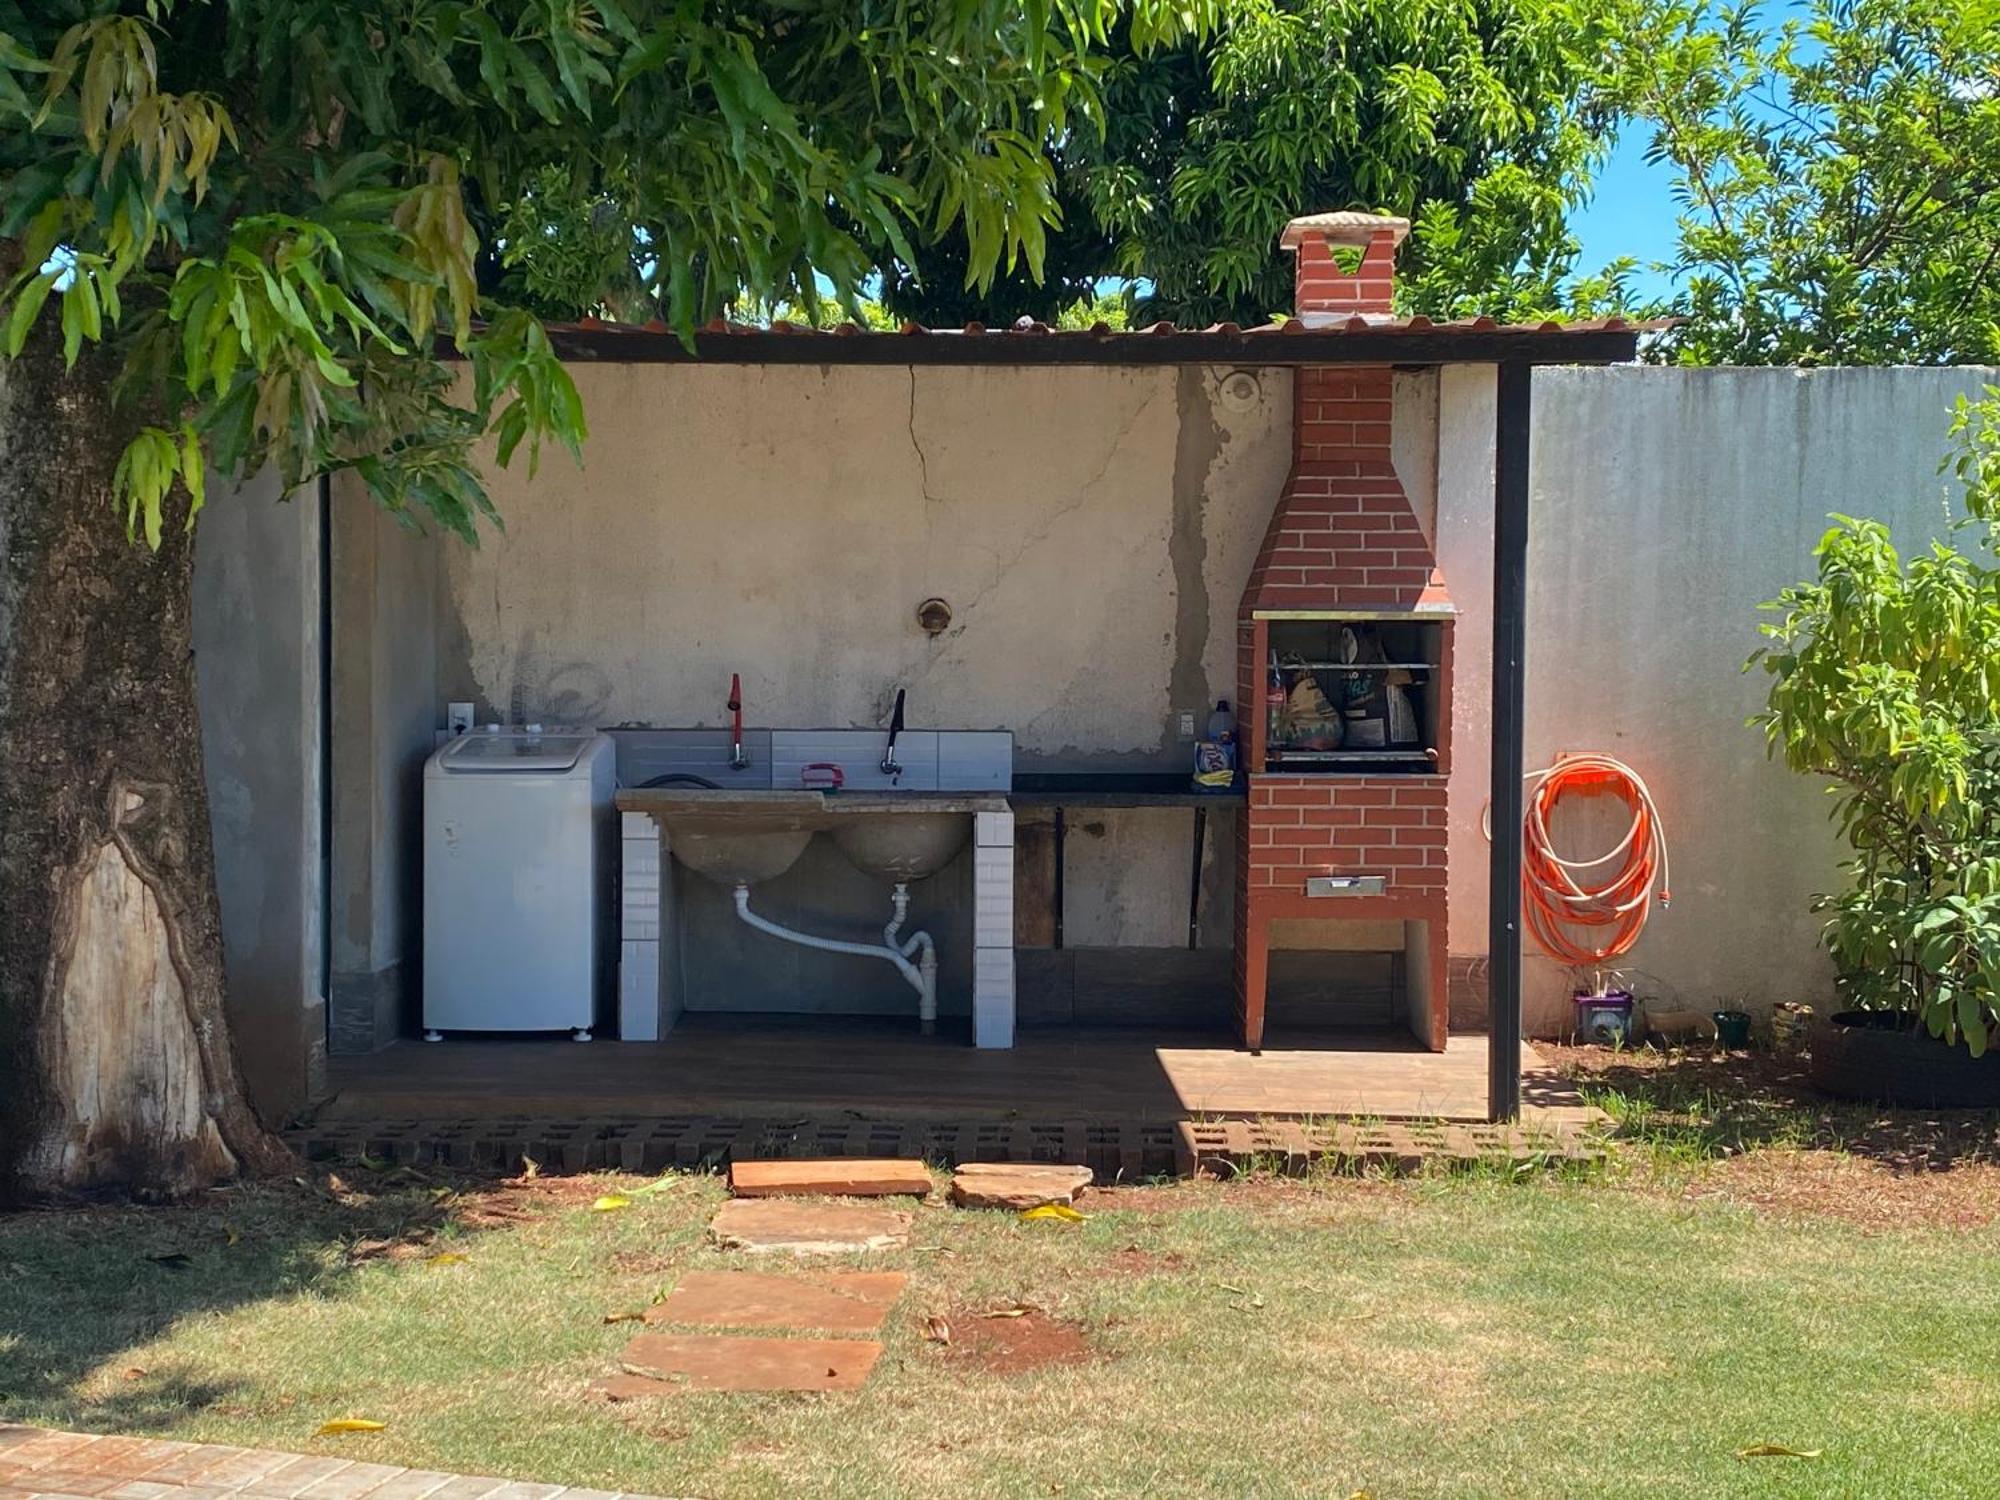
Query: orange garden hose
x,y
1586,911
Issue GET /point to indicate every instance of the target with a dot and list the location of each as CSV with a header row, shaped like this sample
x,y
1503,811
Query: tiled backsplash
x,y
932,760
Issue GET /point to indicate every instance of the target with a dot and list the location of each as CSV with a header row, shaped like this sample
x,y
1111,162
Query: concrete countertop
x,y
749,802
1111,789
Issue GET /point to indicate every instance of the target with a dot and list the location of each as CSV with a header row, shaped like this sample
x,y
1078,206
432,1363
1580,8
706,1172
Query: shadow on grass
x,y
84,1288
1702,1105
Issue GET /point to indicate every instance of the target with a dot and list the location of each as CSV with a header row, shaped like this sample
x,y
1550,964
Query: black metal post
x,y
1194,878
1056,895
1510,590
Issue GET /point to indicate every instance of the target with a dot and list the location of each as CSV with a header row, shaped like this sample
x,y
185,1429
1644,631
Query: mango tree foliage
x,y
287,214
1470,118
1837,180
1885,679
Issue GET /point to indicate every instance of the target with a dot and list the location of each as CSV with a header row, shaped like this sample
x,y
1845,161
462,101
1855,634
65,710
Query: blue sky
x,y
1631,213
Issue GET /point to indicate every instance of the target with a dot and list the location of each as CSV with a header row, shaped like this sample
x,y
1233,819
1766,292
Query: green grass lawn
x,y
1434,1337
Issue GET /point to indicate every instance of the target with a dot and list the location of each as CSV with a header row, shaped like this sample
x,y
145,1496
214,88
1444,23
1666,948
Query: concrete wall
x,y
1092,530
386,708
257,674
1667,504
1088,527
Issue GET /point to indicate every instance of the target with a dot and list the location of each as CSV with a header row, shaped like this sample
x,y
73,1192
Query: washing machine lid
x,y
486,752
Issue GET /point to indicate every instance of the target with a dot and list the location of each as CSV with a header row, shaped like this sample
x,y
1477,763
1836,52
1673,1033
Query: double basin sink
x,y
740,836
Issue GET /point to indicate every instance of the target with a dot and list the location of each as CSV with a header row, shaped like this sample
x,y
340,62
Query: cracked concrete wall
x,y
1090,528
785,523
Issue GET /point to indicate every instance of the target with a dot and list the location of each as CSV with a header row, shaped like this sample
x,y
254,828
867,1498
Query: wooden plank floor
x,y
762,1066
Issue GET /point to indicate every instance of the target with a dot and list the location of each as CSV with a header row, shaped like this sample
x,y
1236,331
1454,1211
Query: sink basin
x,y
903,846
742,837
734,856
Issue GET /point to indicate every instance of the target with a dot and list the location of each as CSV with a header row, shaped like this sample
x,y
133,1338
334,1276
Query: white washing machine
x,y
520,841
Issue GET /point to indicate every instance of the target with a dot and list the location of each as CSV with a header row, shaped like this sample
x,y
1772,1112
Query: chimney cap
x,y
1347,227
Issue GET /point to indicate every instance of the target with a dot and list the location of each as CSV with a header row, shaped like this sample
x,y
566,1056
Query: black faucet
x,y
889,766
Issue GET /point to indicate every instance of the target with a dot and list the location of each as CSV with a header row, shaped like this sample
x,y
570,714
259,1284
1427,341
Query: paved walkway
x,y
58,1465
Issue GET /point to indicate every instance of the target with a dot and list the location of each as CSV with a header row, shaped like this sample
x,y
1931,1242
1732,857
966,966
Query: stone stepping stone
x,y
857,1178
660,1364
805,1227
1016,1185
846,1302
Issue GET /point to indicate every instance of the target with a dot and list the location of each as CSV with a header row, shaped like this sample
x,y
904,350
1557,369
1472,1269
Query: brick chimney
x,y
1343,542
1344,536
1324,293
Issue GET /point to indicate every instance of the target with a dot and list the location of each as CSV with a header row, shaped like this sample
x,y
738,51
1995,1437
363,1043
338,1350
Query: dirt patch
x,y
1151,1199
1031,1340
1868,1194
503,1209
1132,1260
644,1262
522,1200
1762,1136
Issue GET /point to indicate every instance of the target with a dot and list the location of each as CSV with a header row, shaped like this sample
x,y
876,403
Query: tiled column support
x,y
641,921
993,929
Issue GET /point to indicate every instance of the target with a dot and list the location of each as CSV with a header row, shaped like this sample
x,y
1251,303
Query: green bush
x,y
1885,678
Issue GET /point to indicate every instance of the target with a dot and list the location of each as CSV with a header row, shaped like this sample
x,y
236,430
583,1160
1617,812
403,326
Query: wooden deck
x,y
768,1066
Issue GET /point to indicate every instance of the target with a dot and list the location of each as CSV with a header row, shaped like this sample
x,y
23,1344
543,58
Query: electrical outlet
x,y
458,718
1187,726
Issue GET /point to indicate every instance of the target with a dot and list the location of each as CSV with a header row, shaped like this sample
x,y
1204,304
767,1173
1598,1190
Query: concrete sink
x,y
903,846
742,837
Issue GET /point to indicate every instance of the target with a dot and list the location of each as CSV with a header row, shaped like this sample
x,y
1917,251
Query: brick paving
x,y
1114,1150
1223,1148
36,1464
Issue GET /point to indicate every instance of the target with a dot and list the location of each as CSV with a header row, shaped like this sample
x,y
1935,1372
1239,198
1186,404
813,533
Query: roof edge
x,y
1410,341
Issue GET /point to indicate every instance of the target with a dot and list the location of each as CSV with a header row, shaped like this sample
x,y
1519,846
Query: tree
x,y
239,235
1472,119
1839,177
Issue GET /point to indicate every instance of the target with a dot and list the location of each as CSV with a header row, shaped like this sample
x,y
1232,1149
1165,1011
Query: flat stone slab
x,y
845,1302
658,1364
34,1462
1016,1185
805,1227
860,1178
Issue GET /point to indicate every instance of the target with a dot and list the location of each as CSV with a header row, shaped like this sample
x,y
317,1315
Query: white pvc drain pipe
x,y
897,949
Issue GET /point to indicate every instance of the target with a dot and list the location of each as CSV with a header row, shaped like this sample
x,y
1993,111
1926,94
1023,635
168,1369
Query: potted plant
x,y
1885,679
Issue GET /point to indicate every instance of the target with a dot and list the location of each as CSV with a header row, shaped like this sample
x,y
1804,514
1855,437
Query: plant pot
x,y
1886,1057
1732,1029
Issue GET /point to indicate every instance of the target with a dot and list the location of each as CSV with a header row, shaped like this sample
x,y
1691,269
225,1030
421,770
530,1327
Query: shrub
x,y
1885,678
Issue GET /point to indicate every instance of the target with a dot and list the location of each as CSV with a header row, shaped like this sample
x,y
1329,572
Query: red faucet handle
x,y
822,776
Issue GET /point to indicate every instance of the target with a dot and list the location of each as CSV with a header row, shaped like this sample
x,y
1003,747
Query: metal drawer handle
x,y
1346,885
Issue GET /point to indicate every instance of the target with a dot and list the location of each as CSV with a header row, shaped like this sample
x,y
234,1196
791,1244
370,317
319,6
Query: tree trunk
x,y
116,1067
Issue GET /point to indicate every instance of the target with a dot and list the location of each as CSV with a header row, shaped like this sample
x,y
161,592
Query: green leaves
x,y
279,273
146,472
1834,173
1885,679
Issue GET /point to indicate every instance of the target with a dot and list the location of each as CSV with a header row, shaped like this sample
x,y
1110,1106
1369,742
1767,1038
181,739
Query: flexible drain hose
x,y
1586,911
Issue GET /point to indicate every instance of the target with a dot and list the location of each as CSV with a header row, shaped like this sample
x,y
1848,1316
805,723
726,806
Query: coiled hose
x,y
1584,912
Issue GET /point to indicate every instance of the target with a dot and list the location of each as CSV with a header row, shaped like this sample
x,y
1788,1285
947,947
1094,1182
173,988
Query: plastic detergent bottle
x,y
1215,756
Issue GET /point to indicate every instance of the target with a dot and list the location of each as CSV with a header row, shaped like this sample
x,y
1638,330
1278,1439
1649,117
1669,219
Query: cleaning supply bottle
x,y
1215,756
